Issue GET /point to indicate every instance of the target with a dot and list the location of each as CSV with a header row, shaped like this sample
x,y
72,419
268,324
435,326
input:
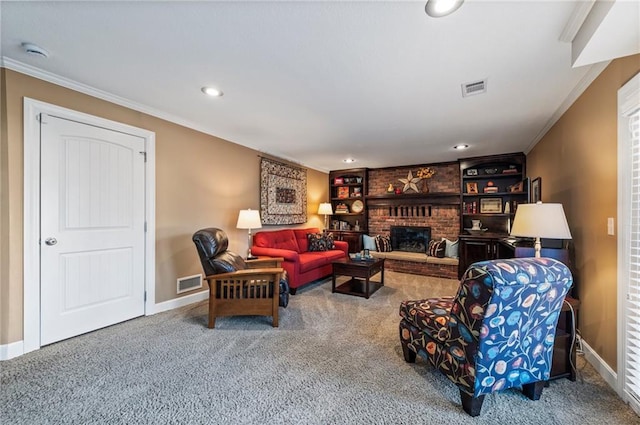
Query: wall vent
x,y
476,87
189,283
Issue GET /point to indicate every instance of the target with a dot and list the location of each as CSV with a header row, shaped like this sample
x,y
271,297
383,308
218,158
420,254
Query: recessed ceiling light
x,y
349,160
461,147
439,8
212,91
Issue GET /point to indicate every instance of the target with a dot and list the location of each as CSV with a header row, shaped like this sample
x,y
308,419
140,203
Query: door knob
x,y
51,241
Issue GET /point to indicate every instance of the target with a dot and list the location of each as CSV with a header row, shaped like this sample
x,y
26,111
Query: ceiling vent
x,y
476,87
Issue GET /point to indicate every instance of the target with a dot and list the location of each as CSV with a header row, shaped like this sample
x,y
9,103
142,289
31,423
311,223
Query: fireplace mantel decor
x,y
283,193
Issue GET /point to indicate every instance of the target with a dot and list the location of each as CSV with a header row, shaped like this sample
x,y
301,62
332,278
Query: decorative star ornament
x,y
410,182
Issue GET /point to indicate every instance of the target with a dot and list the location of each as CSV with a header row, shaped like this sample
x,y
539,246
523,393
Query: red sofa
x,y
292,245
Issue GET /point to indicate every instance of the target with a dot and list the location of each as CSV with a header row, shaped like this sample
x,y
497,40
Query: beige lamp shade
x,y
325,209
249,219
540,221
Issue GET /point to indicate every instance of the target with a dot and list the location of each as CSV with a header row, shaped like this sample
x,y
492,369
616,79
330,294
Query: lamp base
x,y
537,246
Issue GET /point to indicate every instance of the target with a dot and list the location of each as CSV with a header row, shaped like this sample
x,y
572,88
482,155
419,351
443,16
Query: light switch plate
x,y
610,224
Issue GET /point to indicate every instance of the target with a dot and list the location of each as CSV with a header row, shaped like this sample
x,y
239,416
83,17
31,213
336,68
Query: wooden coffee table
x,y
360,272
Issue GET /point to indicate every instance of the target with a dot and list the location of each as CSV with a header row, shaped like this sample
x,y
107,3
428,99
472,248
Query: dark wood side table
x,y
564,350
360,272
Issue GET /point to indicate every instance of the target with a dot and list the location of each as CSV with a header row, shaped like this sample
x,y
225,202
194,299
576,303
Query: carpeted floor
x,y
335,359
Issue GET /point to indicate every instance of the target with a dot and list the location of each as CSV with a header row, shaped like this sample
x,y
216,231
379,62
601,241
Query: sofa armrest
x,y
264,262
343,246
246,273
286,254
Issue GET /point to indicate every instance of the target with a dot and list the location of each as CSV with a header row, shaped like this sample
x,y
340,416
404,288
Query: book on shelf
x,y
490,189
342,209
343,192
470,207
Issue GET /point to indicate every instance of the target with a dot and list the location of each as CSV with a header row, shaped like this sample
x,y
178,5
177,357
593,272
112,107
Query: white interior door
x,y
92,228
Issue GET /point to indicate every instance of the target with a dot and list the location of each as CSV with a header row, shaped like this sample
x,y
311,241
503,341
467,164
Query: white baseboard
x,y
609,375
15,349
180,302
11,350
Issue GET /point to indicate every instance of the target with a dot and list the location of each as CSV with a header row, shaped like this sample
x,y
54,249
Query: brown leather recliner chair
x,y
238,287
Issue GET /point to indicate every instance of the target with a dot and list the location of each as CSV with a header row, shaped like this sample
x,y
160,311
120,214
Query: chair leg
x,y
292,291
471,405
275,317
409,356
212,312
533,390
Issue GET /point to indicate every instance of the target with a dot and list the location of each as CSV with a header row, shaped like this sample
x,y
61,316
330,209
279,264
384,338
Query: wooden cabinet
x,y
480,248
473,249
491,189
348,189
354,239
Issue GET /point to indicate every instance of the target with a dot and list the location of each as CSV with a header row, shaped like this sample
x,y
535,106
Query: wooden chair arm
x,y
247,273
264,262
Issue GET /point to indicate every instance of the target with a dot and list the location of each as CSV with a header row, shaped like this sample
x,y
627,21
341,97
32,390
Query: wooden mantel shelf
x,y
432,198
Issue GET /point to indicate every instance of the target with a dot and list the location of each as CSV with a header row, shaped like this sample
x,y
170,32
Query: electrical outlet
x,y
610,225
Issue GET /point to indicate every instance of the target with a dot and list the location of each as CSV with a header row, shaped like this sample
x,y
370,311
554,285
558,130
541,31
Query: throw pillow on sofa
x,y
451,249
369,242
320,242
436,249
383,243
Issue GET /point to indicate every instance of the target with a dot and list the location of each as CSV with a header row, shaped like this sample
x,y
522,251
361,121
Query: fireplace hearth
x,y
410,238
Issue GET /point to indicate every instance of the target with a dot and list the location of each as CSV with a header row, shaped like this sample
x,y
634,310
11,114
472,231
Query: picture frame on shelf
x,y
517,187
472,172
338,180
536,190
491,206
472,187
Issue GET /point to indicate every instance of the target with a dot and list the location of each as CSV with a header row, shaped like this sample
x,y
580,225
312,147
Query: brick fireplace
x,y
410,238
444,220
440,214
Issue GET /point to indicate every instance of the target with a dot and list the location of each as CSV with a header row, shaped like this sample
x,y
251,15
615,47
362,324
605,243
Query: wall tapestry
x,y
283,193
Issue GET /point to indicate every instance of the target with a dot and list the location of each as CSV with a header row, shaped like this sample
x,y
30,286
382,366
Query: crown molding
x,y
577,18
50,77
582,85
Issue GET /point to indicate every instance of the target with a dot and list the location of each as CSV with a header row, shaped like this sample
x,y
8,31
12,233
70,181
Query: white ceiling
x,y
316,82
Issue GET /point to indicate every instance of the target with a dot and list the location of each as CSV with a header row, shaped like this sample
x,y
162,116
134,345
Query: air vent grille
x,y
189,283
476,87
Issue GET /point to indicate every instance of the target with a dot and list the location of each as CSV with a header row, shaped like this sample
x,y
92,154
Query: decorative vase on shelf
x,y
425,186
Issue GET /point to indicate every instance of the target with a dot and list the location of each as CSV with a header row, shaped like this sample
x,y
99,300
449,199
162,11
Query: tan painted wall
x,y
577,160
201,181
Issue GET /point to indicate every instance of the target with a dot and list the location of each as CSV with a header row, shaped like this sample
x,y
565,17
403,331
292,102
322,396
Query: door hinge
x,y
145,296
145,227
41,118
145,155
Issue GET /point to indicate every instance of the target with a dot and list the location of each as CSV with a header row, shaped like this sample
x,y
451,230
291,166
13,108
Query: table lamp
x,y
326,210
249,219
540,221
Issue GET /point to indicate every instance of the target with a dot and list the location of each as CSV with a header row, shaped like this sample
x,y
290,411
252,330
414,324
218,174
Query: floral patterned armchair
x,y
496,333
